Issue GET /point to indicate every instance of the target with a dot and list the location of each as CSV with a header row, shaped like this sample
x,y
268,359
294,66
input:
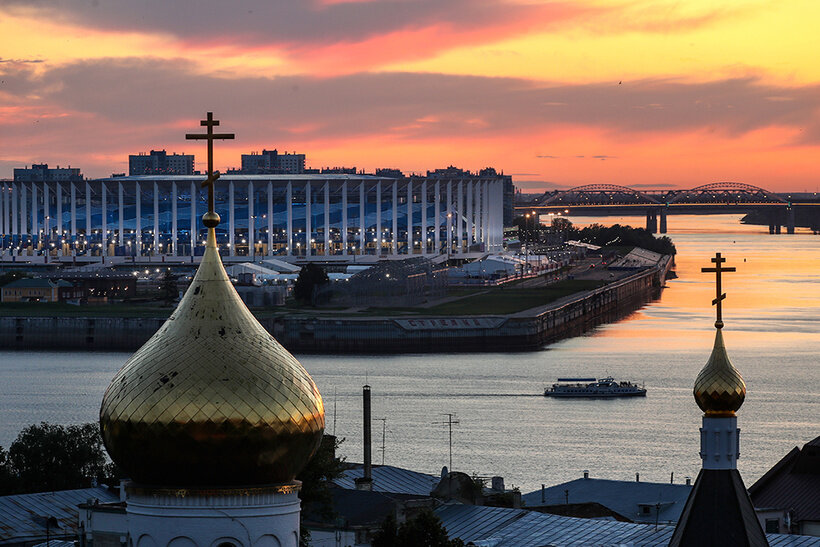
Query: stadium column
x,y
138,220
231,221
423,229
327,218
104,224
46,215
58,219
459,205
251,222
469,217
194,199
74,212
121,210
270,218
344,218
173,248
19,199
35,231
88,211
449,221
155,250
308,223
409,217
362,233
24,225
378,217
485,213
289,199
477,211
395,217
6,189
437,221
14,207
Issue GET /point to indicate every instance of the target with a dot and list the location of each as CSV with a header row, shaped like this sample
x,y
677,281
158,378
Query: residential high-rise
x,y
159,162
271,162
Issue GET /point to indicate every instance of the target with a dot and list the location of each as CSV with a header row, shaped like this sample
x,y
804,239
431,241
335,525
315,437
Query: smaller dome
x,y
719,388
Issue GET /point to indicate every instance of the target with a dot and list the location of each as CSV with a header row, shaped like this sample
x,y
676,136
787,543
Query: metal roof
x,y
792,484
387,478
623,497
502,527
30,516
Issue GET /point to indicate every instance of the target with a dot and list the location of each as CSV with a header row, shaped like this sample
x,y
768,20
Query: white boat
x,y
593,387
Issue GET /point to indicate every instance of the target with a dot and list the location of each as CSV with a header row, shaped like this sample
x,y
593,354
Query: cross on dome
x,y
717,270
210,136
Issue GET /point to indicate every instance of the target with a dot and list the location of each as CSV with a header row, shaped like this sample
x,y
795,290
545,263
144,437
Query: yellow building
x,y
30,290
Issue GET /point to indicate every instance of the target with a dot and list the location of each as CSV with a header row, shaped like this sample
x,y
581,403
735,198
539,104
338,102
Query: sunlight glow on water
x,y
506,426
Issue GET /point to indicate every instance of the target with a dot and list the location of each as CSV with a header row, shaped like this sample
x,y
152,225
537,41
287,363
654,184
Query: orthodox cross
x,y
210,122
718,269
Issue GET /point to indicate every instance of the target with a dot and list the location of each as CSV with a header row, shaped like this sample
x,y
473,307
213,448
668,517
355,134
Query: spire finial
x,y
718,269
210,219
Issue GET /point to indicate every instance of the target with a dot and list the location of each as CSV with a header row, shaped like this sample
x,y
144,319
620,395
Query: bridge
x,y
714,198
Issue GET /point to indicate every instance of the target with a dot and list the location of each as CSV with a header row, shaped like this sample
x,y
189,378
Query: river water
x,y
505,425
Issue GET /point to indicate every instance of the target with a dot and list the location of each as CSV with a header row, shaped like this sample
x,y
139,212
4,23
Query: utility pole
x,y
384,431
450,423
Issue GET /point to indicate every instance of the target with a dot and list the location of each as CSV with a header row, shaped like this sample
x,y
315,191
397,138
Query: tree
x,y
169,289
54,457
322,468
311,276
425,530
8,277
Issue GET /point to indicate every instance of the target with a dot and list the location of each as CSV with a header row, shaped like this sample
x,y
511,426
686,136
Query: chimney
x,y
586,473
498,484
543,493
637,477
366,482
688,481
672,478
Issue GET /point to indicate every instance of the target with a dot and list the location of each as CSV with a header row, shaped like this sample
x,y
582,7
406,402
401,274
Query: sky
x,y
646,94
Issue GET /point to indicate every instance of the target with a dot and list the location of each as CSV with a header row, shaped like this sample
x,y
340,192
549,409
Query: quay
x,y
524,331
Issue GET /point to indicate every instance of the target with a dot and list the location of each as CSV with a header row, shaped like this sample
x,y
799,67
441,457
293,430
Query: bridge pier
x,y
663,221
651,221
789,220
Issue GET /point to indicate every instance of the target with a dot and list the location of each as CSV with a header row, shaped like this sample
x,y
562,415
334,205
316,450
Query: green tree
x,y
8,277
424,530
168,289
54,457
317,475
311,276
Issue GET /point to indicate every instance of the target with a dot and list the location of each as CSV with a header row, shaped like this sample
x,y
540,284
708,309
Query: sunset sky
x,y
649,94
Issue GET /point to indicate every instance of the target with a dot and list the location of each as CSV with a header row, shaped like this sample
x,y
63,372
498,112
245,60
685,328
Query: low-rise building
x,y
787,497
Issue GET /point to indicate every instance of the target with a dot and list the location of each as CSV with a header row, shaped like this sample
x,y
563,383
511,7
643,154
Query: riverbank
x,y
526,330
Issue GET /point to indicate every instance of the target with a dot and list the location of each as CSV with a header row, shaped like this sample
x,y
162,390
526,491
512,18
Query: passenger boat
x,y
592,387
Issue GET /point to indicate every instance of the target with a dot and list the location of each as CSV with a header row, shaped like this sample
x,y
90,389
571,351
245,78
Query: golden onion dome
x,y
212,399
719,388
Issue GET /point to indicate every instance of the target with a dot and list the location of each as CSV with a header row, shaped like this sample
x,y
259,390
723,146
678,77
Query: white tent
x,y
281,266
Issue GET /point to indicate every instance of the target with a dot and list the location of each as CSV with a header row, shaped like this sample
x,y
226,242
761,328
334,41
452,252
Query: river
x,y
505,425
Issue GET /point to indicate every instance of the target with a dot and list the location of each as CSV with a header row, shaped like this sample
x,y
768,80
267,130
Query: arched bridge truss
x,y
600,194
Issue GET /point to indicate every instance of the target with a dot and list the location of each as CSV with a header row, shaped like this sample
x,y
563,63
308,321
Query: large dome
x,y
212,399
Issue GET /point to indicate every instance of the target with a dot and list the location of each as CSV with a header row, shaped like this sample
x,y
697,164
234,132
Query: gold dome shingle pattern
x,y
212,398
719,388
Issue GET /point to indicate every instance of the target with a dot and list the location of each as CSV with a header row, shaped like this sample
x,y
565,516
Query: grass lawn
x,y
500,301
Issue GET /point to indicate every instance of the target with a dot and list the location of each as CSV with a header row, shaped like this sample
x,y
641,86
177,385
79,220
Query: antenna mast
x,y
449,423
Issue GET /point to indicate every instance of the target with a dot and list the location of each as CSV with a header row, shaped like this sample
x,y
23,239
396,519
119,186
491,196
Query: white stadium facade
x,y
310,216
